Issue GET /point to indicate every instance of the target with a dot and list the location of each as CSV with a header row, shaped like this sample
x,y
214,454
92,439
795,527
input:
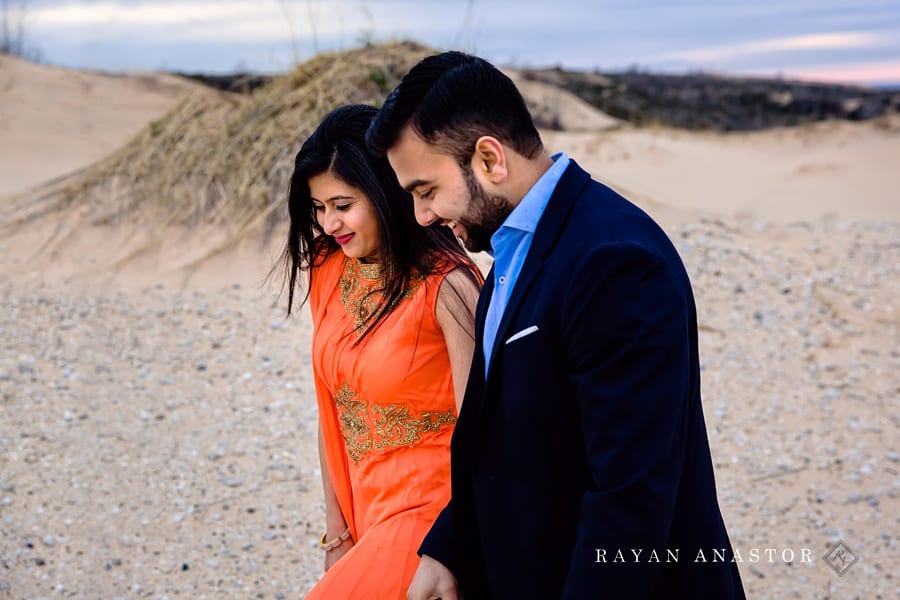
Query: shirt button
x,y
502,279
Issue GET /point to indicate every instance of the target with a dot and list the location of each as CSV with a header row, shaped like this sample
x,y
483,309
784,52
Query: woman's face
x,y
347,215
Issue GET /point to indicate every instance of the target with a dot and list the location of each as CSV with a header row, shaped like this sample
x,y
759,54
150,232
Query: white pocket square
x,y
523,333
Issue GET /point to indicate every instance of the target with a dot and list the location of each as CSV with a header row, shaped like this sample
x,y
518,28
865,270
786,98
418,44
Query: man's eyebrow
x,y
414,184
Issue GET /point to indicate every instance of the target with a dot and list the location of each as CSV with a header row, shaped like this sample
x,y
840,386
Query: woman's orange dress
x,y
386,408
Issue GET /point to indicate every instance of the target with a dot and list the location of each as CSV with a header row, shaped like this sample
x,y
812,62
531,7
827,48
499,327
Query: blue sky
x,y
855,41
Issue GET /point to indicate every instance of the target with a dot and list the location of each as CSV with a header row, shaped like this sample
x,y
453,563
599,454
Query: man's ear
x,y
489,159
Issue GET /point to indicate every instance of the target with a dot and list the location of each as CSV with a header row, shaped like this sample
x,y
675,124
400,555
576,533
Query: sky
x,y
856,41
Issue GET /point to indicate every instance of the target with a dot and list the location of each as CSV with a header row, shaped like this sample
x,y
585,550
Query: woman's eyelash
x,y
319,207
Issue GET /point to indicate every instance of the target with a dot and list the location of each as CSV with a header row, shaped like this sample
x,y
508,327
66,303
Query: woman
x,y
392,306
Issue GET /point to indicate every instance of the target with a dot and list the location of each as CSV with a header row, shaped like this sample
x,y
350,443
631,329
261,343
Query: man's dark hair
x,y
451,99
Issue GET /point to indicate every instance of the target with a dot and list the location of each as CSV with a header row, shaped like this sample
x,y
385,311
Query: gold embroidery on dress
x,y
360,299
370,270
384,426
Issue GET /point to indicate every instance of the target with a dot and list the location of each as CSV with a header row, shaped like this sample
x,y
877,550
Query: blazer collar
x,y
546,236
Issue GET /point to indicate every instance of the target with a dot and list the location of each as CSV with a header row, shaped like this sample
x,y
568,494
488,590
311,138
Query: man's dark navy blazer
x,y
587,437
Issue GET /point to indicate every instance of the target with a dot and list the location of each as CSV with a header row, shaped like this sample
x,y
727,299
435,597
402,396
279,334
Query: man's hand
x,y
431,581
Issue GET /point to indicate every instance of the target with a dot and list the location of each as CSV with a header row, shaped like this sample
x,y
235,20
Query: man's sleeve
x,y
439,543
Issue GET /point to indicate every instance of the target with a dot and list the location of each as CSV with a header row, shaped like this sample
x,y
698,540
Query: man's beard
x,y
484,214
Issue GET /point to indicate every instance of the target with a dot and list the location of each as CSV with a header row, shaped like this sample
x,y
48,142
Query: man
x,y
580,461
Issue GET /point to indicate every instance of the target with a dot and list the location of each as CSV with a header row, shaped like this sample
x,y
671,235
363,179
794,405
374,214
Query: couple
x,y
576,383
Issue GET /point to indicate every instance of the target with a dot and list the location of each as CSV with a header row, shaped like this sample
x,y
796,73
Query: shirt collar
x,y
527,213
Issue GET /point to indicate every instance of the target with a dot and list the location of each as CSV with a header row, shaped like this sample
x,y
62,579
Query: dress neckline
x,y
370,271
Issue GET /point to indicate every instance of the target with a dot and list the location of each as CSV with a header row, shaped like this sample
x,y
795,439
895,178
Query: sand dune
x,y
833,170
55,120
556,108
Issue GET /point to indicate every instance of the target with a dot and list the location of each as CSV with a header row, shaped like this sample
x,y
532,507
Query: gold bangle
x,y
329,546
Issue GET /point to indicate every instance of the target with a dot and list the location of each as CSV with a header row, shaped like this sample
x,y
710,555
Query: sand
x,y
54,121
157,424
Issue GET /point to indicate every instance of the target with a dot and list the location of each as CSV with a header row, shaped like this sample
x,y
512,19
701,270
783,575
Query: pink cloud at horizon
x,y
861,74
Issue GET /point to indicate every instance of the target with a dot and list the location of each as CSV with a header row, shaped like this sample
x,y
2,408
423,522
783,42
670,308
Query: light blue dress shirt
x,y
510,246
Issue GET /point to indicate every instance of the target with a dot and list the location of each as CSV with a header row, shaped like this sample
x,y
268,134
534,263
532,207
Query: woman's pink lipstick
x,y
343,239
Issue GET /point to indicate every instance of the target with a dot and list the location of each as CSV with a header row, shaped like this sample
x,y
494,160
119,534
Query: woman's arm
x,y
455,313
335,524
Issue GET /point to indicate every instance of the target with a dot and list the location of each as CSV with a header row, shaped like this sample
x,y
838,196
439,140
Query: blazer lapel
x,y
546,236
475,384
484,299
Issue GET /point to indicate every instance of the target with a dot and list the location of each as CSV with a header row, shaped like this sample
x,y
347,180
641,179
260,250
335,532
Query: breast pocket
x,y
521,334
521,350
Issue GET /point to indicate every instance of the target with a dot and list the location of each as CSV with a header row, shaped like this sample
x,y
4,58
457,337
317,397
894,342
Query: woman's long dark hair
x,y
407,249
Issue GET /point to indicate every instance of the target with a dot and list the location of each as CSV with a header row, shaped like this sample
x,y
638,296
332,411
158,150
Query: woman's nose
x,y
330,222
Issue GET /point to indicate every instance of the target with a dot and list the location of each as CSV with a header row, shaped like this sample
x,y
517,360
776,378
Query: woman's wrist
x,y
331,542
334,527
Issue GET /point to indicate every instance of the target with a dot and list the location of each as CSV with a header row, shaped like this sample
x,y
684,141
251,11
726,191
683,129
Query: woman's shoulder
x,y
454,275
444,263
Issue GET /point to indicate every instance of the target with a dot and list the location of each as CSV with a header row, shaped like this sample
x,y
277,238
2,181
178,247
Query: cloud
x,y
765,35
218,34
144,15
867,73
234,20
810,42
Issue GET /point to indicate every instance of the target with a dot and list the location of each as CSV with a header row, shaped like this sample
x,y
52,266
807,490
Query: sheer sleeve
x,y
455,313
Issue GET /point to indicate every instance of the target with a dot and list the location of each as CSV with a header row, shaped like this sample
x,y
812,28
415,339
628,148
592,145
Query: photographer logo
x,y
840,558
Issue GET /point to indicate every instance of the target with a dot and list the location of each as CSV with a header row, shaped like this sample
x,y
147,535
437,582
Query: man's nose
x,y
424,215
